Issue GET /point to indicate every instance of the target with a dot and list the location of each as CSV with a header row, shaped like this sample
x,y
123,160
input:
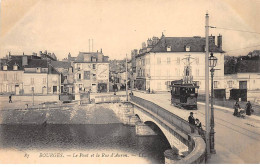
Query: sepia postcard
x,y
129,82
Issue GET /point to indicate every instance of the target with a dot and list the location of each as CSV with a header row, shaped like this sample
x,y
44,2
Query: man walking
x,y
10,98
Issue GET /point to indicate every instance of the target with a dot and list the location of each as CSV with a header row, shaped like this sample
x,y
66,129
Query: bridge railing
x,y
175,120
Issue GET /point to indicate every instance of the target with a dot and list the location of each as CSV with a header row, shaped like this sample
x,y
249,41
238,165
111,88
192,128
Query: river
x,y
107,141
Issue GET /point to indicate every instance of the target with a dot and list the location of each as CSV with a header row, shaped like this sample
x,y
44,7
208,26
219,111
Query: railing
x,y
110,98
171,118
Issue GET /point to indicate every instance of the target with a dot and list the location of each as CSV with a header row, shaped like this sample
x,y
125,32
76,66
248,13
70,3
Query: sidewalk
x,y
255,117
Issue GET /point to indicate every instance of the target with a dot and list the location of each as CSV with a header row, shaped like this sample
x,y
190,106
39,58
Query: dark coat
x,y
191,120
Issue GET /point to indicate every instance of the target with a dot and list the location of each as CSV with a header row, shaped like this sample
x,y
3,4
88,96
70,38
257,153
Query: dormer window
x,y
187,48
15,67
5,67
38,69
169,48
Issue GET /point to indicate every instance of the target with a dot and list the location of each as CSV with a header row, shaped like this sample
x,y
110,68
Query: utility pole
x,y
207,87
126,77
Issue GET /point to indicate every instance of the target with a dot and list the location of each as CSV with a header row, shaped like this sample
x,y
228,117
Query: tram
x,y
184,92
184,95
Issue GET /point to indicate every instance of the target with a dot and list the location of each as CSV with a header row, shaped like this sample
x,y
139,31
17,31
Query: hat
x,y
191,112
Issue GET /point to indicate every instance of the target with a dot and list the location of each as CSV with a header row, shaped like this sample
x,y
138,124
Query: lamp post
x,y
212,63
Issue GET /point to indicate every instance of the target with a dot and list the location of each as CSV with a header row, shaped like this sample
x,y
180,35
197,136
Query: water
x,y
85,137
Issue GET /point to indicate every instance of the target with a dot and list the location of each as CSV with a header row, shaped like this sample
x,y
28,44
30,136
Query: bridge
x,y
141,113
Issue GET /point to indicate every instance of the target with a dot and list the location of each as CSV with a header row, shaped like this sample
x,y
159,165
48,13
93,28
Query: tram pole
x,y
207,87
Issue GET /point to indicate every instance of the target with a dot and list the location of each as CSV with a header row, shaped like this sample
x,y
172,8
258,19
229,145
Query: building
x,y
91,72
27,74
67,77
245,74
162,61
11,76
40,78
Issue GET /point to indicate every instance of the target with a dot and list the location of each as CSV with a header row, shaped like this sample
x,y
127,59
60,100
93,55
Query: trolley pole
x,y
207,87
126,77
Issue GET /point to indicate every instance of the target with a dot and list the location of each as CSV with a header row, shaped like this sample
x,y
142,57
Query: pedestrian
x,y
10,98
198,125
248,108
236,107
191,121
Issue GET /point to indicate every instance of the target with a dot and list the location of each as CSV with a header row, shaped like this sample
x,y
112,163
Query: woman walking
x,y
248,108
236,107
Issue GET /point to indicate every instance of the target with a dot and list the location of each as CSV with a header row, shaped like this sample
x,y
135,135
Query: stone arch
x,y
172,139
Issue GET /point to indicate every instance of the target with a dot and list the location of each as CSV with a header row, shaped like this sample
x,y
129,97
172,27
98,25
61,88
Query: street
x,y
236,139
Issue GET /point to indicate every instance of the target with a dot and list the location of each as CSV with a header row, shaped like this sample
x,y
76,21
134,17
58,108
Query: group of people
x,y
237,109
196,122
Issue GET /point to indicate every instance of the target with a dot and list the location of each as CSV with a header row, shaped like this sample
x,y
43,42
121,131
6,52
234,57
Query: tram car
x,y
184,95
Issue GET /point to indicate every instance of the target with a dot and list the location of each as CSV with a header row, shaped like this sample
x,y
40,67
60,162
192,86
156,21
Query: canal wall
x,y
62,114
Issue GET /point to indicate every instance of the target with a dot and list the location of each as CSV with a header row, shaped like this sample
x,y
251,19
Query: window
x,y
79,76
215,84
15,77
87,75
32,81
143,62
94,66
5,77
15,67
168,60
230,84
5,67
158,60
187,48
169,48
38,69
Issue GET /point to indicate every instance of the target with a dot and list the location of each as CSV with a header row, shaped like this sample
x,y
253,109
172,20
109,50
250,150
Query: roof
x,y
12,62
60,64
178,44
34,63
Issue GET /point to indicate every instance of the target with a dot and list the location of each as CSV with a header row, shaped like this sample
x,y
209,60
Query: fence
x,y
171,118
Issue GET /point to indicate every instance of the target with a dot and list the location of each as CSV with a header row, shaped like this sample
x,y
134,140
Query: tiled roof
x,y
12,62
178,44
60,64
34,63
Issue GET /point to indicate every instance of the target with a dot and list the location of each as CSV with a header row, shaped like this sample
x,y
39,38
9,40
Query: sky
x,y
119,26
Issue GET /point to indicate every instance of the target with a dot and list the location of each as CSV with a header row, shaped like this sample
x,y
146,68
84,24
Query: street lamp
x,y
212,63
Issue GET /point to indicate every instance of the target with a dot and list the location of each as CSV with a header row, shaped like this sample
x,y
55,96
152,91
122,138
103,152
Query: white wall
x,y
163,72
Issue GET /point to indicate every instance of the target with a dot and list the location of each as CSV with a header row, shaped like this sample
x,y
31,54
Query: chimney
x,y
24,61
220,42
211,40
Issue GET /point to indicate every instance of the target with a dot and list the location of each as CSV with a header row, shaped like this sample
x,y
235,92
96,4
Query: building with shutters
x,y
161,60
27,74
91,72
